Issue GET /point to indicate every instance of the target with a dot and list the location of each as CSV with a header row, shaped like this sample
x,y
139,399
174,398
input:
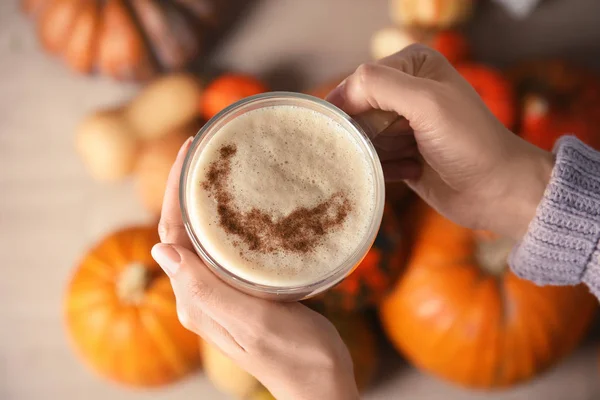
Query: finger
x,y
195,285
418,68
416,60
432,188
409,151
385,88
400,125
406,169
209,330
200,295
420,61
394,142
170,227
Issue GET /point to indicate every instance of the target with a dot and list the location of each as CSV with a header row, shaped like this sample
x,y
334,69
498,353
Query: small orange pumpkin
x,y
452,44
126,39
367,285
226,90
460,314
121,314
543,123
495,90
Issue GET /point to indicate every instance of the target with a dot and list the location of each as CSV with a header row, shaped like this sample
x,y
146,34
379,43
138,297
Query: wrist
x,y
339,382
331,379
526,178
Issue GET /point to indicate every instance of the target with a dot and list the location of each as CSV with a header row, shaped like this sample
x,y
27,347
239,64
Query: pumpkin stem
x,y
536,106
492,254
132,283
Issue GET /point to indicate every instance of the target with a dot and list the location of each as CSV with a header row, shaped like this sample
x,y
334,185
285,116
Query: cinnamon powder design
x,y
299,232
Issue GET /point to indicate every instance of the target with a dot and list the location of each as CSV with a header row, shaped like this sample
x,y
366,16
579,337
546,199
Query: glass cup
x,y
373,122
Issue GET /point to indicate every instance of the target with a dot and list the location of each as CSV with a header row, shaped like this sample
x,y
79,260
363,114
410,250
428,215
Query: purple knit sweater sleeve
x,y
561,245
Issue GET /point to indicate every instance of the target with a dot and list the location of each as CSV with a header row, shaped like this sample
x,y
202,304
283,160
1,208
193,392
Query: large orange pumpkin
x,y
557,98
121,314
375,275
460,314
126,39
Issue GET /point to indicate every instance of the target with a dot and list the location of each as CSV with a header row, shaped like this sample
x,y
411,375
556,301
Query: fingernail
x,y
167,257
336,97
185,145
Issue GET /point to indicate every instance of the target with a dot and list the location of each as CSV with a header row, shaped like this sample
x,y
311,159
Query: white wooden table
x,y
50,211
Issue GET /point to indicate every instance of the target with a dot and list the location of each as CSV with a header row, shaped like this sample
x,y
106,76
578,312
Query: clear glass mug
x,y
372,122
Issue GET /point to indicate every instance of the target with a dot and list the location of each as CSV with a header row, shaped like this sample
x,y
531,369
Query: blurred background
x,y
97,96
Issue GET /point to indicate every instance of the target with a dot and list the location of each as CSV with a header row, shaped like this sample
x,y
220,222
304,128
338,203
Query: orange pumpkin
x,y
375,275
460,314
121,314
126,39
557,98
556,78
542,123
452,44
226,90
495,90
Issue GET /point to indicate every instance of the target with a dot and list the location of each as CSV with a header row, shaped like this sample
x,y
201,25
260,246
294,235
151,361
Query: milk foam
x,y
286,157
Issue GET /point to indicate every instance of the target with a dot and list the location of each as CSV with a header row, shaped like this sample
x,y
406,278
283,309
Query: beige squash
x,y
164,105
108,148
228,377
154,164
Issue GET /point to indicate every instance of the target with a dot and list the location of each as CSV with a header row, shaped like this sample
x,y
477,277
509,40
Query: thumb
x,y
197,289
203,300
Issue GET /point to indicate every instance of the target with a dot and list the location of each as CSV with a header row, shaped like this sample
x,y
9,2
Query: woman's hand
x,y
449,147
293,351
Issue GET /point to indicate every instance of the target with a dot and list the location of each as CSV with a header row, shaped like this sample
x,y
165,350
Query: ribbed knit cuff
x,y
561,244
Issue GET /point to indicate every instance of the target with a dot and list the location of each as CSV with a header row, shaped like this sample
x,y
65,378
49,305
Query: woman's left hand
x,y
293,351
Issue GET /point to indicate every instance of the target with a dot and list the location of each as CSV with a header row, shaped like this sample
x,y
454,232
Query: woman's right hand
x,y
450,148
